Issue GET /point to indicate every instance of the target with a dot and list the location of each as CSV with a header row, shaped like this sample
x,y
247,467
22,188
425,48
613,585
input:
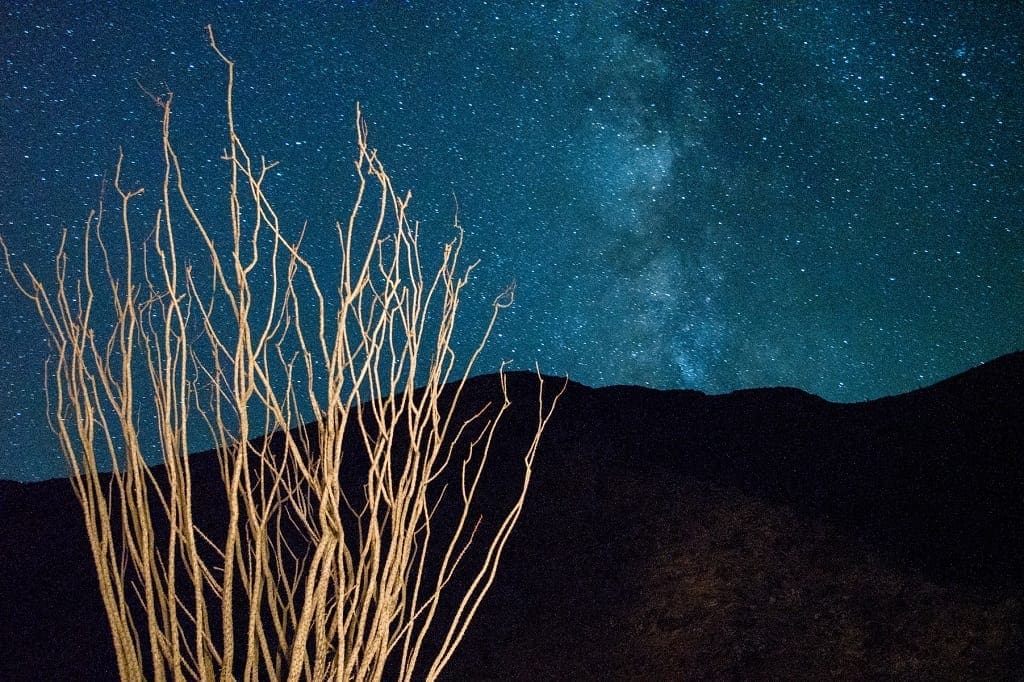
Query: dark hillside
x,y
672,535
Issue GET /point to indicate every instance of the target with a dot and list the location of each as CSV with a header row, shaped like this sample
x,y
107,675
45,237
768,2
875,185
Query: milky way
x,y
708,195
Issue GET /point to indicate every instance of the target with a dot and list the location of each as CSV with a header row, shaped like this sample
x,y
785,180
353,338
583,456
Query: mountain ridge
x,y
927,486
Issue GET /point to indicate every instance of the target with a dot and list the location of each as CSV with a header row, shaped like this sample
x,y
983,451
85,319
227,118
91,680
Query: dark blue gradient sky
x,y
708,195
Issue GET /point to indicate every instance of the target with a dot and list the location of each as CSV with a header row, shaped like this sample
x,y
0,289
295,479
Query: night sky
x,y
709,195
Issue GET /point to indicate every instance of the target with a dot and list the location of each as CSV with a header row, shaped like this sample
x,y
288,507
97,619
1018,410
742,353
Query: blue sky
x,y
708,195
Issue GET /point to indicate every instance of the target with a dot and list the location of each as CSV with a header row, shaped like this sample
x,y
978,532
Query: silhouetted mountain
x,y
766,533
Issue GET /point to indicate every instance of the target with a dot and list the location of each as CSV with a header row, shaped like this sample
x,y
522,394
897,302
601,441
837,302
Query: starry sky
x,y
691,194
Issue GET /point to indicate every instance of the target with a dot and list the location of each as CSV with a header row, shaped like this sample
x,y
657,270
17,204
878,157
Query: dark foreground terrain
x,y
764,534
